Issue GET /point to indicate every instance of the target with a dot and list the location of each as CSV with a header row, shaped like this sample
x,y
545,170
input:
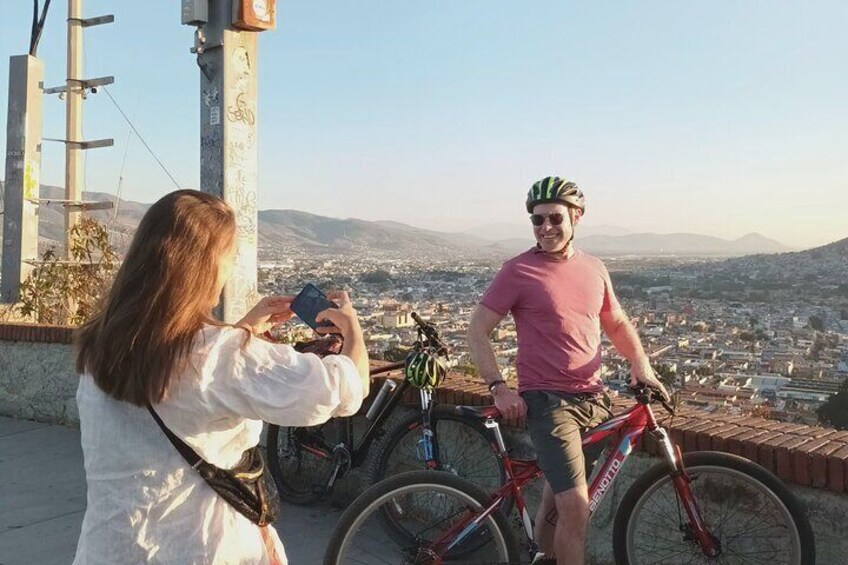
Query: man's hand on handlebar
x,y
642,372
647,394
509,403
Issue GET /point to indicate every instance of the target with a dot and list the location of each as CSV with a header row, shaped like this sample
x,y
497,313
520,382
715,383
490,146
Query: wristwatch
x,y
494,384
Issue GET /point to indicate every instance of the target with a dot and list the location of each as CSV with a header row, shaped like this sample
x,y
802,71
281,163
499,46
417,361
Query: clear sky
x,y
719,118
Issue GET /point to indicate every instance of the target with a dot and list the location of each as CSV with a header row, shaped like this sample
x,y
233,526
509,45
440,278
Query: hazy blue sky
x,y
719,118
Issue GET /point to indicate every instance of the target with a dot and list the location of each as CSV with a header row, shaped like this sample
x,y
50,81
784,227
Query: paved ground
x,y
42,500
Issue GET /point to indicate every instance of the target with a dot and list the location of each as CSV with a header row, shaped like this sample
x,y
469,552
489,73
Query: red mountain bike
x,y
704,507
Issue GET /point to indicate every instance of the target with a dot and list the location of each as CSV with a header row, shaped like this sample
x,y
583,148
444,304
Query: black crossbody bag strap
x,y
190,455
246,487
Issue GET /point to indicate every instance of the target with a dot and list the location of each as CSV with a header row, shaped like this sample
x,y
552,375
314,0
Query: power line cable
x,y
124,164
37,26
140,138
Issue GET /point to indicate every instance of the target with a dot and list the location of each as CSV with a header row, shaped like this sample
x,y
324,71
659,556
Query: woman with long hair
x,y
156,343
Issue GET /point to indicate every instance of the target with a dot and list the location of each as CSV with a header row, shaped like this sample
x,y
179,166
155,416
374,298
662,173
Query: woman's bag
x,y
246,487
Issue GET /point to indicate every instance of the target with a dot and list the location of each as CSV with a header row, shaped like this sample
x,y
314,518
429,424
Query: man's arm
x,y
626,341
483,321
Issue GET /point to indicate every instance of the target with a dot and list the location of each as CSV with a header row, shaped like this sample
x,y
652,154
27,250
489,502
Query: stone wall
x,y
37,380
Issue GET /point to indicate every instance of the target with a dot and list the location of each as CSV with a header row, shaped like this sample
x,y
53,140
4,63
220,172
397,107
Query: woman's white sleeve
x,y
275,383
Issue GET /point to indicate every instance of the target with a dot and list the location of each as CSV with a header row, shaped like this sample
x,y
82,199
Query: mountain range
x,y
291,228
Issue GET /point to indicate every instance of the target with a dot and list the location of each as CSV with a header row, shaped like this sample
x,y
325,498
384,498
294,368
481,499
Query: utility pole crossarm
x,y
83,145
87,84
96,21
77,204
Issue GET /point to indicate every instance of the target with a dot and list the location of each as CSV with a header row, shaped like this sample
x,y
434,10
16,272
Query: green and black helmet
x,y
424,369
555,189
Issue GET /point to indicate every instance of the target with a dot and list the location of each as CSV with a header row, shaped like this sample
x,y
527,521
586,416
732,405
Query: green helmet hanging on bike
x,y
423,369
555,189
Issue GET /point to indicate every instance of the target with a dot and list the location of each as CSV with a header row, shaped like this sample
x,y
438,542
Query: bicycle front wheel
x,y
439,508
751,514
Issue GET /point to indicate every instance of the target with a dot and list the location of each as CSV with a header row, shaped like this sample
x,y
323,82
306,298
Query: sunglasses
x,y
539,219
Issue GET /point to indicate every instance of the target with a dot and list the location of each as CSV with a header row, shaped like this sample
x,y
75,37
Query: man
x,y
560,299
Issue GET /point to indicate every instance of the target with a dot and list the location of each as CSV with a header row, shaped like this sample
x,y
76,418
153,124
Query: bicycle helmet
x,y
555,189
424,369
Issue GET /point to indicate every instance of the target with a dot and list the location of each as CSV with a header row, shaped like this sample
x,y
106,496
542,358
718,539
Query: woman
x,y
156,343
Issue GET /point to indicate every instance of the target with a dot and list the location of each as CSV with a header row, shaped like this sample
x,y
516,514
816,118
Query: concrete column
x,y
228,149
74,173
23,167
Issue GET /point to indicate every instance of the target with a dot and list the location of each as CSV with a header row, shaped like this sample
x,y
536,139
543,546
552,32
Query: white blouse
x,y
145,504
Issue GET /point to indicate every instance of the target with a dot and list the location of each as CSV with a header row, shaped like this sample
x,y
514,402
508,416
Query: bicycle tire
x,y
751,484
474,458
377,542
296,470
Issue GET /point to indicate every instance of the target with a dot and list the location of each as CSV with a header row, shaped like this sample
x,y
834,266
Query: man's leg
x,y
572,524
543,529
554,421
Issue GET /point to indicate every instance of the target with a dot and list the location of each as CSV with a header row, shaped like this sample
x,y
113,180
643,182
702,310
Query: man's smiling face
x,y
554,238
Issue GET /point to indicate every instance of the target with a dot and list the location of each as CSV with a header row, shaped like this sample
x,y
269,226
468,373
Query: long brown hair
x,y
163,292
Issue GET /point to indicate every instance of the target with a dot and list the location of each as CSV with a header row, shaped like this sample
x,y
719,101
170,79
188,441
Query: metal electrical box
x,y
195,12
254,15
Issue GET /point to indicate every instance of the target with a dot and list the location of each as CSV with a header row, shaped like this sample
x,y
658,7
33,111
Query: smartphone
x,y
309,303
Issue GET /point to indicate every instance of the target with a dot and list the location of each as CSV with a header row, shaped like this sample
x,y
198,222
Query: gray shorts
x,y
556,420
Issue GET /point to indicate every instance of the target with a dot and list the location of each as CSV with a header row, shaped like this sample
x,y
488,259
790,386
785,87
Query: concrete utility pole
x,y
226,47
23,149
74,172
75,92
23,165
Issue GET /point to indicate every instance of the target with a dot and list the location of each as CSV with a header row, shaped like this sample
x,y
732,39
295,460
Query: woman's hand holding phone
x,y
346,322
344,318
268,312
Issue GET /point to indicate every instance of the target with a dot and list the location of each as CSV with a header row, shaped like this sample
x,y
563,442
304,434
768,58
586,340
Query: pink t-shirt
x,y
556,305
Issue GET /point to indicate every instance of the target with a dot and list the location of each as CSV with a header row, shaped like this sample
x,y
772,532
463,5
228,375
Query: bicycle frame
x,y
360,451
629,428
357,453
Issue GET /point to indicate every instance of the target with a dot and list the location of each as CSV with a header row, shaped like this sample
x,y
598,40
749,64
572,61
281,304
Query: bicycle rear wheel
x,y
753,516
436,507
300,462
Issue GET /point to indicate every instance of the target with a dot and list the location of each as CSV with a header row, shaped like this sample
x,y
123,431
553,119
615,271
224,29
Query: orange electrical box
x,y
255,15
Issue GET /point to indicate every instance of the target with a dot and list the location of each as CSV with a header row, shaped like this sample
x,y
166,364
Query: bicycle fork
x,y
696,529
426,448
521,507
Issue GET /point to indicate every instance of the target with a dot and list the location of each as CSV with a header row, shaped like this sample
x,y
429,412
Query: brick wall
x,y
36,333
804,455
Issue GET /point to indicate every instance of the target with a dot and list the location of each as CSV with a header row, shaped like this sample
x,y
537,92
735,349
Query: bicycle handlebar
x,y
429,332
647,394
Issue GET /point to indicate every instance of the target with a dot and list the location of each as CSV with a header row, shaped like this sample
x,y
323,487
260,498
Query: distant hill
x,y
822,271
294,228
280,229
277,229
652,244
504,231
830,257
